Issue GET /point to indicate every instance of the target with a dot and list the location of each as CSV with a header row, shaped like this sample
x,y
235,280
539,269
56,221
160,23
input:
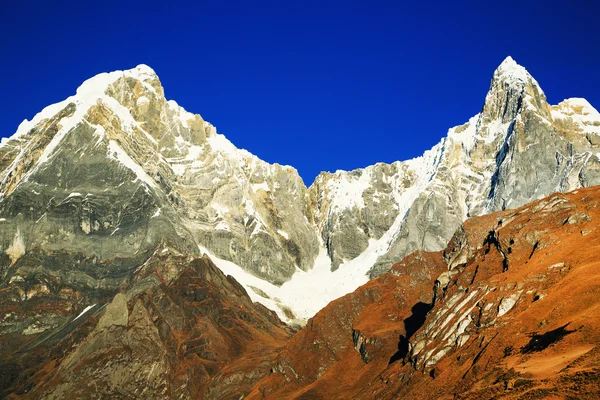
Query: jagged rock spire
x,y
510,84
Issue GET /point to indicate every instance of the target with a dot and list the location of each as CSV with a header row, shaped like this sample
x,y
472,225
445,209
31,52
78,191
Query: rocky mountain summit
x,y
115,169
143,254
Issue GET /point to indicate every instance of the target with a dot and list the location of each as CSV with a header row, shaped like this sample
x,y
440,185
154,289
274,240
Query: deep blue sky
x,y
321,85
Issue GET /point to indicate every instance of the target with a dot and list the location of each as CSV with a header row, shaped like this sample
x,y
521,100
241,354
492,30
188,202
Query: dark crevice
x,y
535,246
479,315
411,326
329,248
500,157
507,102
475,274
478,356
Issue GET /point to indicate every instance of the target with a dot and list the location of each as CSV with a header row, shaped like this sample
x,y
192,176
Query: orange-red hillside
x,y
510,309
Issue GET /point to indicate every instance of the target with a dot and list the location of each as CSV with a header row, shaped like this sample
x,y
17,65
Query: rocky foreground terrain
x,y
143,255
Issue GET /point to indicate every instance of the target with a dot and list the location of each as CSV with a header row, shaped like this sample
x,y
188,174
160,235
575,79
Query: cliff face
x,y
506,310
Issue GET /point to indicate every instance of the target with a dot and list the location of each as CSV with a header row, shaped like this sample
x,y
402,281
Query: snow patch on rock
x,y
117,153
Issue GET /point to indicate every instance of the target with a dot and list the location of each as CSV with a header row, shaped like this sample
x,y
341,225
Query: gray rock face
x,y
116,169
354,207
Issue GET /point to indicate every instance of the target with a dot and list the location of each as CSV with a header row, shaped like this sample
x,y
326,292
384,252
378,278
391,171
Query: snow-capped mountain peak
x,y
510,68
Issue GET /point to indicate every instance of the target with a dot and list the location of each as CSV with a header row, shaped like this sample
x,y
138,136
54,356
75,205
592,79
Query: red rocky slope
x,y
508,310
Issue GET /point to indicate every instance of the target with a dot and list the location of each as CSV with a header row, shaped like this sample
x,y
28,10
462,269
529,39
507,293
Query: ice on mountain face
x,y
190,162
221,213
223,226
347,191
87,94
90,93
183,115
304,295
309,291
260,186
248,281
27,125
581,112
465,134
115,152
514,75
143,72
220,210
84,311
221,144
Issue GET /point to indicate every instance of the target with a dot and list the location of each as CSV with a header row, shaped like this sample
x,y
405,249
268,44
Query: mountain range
x,y
129,224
